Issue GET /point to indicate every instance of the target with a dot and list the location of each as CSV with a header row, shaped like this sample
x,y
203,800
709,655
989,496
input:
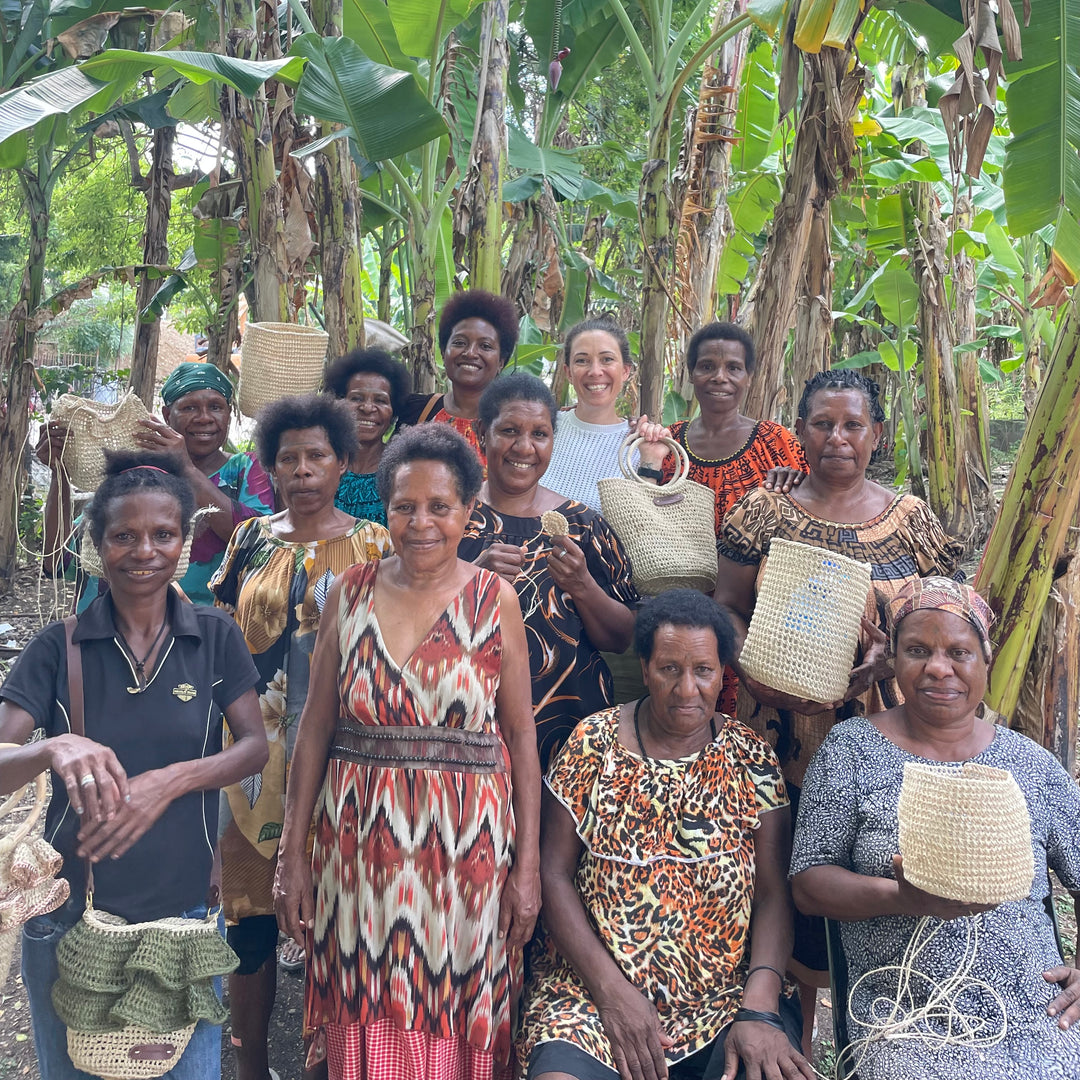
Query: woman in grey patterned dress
x,y
845,863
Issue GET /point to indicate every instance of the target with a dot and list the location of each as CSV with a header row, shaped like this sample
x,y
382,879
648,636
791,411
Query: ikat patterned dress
x,y
414,839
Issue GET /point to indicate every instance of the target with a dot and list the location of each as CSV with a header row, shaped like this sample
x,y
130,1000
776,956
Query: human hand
x,y
149,794
632,1026
653,452
1066,1006
876,664
777,699
294,895
765,1051
506,560
915,902
519,906
156,435
75,759
783,480
567,565
50,444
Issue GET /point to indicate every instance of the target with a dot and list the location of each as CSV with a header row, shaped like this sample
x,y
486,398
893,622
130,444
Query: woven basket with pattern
x,y
279,359
965,833
805,627
94,427
668,530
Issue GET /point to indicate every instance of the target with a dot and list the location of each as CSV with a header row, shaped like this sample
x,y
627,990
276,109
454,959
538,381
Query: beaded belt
x,y
417,747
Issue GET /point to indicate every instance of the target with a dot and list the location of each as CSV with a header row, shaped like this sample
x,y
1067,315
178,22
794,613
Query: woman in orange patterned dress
x,y
418,730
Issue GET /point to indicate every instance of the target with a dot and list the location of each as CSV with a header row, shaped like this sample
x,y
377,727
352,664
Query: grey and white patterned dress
x,y
847,817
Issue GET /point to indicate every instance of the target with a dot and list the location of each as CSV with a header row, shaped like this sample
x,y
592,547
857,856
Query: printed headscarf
x,y
191,376
942,594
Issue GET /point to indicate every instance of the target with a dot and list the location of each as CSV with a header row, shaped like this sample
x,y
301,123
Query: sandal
x,y
291,957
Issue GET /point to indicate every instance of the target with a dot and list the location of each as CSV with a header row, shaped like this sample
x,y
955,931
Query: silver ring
x,y
87,780
560,553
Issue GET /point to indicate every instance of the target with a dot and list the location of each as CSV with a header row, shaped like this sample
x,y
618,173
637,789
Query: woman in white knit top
x,y
597,358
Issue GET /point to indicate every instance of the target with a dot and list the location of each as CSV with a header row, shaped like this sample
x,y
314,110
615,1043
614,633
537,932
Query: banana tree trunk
x,y
820,159
1036,510
17,366
656,229
421,347
338,211
480,203
813,309
155,250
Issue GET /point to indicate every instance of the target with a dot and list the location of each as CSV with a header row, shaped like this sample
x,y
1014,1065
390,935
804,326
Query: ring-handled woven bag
x,y
94,427
965,833
28,867
668,530
805,627
278,359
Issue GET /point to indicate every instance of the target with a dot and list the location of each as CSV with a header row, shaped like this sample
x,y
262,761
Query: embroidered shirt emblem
x,y
185,691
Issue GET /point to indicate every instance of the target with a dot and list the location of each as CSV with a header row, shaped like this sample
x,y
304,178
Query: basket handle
x,y
13,800
633,441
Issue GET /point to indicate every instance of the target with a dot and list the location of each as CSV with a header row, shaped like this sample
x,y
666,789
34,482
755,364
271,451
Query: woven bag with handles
x,y
277,360
28,867
805,627
668,530
94,427
965,833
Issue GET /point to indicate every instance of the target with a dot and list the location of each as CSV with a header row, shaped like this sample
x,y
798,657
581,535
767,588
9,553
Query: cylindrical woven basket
x,y
668,530
965,833
94,427
132,1053
278,359
805,627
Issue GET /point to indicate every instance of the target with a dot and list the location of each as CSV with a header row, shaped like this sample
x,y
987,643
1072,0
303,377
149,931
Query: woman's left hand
x,y
765,1051
113,837
1066,1006
875,665
519,906
568,567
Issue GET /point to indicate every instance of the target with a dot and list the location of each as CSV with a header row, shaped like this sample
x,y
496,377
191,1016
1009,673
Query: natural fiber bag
x,y
668,530
965,833
805,627
28,867
277,359
94,427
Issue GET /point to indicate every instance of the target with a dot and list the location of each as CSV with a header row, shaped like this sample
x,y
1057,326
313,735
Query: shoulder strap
x,y
428,408
75,678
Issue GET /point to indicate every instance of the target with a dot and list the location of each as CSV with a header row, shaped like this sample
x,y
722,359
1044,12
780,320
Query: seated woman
x,y
196,410
667,916
376,386
574,590
845,863
477,335
136,793
274,579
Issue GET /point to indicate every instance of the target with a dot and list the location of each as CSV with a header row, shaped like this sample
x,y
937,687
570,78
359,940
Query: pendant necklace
x,y
140,665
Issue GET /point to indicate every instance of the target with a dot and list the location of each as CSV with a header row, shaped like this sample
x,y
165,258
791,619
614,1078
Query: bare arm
x,y
735,590
56,527
513,704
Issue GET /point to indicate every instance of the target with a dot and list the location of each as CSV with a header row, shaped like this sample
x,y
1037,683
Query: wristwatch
x,y
650,473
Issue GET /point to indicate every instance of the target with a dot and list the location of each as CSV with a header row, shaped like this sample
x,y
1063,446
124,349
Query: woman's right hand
x,y
294,896
915,902
506,560
50,444
777,699
75,759
632,1026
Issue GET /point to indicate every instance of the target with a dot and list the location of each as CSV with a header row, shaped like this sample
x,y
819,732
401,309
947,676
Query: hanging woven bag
x,y
668,529
279,359
92,428
805,627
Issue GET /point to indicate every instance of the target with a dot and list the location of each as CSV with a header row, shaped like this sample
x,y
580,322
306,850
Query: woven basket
x,y
28,868
278,359
965,833
94,427
132,1053
805,627
668,531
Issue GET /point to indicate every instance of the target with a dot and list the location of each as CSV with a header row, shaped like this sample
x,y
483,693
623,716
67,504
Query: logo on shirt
x,y
185,691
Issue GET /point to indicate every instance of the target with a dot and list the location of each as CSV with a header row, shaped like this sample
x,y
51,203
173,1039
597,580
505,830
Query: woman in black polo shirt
x,y
138,795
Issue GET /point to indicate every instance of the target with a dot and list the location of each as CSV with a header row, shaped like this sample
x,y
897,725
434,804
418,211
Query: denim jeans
x,y
200,1061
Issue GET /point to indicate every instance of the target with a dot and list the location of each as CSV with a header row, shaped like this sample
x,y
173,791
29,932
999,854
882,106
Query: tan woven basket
x,y
94,427
668,531
132,1053
805,626
965,833
278,359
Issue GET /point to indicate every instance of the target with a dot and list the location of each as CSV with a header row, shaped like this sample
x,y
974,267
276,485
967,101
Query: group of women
x,y
401,650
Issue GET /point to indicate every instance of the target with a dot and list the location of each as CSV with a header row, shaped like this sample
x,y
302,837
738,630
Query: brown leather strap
x,y
427,410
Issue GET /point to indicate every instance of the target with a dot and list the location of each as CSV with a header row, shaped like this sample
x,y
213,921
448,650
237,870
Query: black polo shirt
x,y
206,667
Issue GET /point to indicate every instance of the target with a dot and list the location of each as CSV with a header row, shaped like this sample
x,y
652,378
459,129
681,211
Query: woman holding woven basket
x,y
840,421
846,866
133,738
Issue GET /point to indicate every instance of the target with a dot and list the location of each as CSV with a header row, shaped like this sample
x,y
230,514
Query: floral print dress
x,y
275,589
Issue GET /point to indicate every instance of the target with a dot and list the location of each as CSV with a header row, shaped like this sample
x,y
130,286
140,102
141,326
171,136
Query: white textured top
x,y
583,453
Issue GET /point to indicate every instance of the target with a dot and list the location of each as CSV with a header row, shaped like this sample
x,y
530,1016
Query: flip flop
x,y
291,957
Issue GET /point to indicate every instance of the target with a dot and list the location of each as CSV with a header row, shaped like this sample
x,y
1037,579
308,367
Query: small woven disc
x,y
554,523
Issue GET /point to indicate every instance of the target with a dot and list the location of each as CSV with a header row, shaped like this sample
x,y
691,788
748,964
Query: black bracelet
x,y
764,967
755,1015
650,473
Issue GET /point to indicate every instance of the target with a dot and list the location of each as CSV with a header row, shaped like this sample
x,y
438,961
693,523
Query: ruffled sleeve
x,y
749,526
758,759
575,769
935,551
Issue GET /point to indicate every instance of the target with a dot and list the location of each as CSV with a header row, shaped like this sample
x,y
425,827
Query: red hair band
x,y
164,472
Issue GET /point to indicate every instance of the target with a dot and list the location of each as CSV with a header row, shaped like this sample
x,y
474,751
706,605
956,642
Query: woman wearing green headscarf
x,y
197,409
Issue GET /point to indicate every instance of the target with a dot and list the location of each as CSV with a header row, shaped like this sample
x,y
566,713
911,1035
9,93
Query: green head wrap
x,y
190,376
